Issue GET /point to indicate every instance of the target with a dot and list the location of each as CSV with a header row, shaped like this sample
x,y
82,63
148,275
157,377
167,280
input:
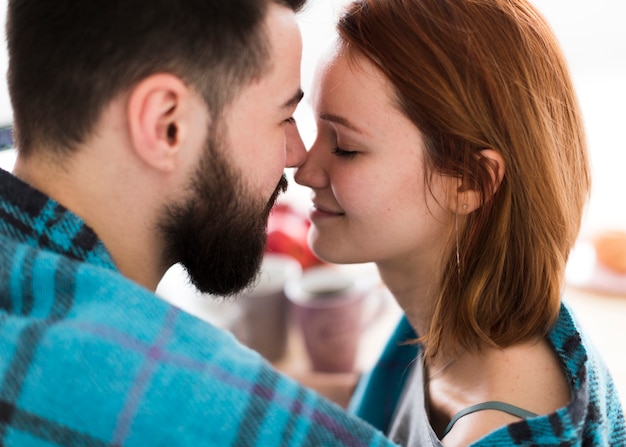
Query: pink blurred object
x,y
287,232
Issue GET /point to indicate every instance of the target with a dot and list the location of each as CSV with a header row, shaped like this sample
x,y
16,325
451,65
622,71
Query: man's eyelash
x,y
343,153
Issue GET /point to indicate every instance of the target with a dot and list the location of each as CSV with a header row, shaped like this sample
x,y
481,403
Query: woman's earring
x,y
456,228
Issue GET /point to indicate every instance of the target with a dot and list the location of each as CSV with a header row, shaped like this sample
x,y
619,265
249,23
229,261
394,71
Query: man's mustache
x,y
280,188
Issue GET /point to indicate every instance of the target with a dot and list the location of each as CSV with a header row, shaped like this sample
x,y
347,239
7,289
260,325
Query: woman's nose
x,y
311,173
294,146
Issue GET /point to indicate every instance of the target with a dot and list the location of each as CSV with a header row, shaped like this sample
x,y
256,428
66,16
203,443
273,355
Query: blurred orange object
x,y
610,249
287,232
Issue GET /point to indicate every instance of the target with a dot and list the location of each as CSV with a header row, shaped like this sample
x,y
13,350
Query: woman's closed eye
x,y
341,153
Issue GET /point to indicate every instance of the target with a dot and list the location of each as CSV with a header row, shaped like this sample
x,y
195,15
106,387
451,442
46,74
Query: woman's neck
x,y
414,289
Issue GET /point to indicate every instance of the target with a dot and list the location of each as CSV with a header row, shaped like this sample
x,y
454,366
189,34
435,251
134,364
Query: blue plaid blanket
x,y
594,417
89,358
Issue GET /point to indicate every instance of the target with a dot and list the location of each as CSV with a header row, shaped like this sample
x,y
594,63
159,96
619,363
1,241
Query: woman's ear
x,y
469,199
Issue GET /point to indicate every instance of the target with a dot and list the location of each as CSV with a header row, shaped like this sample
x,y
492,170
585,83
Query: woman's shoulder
x,y
560,378
528,376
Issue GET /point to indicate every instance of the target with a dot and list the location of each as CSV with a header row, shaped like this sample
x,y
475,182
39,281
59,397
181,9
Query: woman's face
x,y
366,170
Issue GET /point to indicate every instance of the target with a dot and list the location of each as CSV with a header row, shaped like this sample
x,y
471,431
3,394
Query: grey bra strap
x,y
492,405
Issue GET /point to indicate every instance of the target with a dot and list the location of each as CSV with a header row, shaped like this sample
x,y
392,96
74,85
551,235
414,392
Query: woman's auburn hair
x,y
488,74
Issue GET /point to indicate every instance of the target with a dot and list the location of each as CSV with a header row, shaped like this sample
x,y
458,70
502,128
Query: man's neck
x,y
118,215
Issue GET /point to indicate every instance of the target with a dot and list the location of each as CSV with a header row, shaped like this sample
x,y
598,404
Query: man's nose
x,y
294,146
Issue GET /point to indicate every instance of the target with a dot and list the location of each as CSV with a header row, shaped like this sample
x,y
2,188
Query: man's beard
x,y
218,234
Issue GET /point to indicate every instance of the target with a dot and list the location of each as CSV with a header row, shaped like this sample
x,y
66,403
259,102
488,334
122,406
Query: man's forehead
x,y
278,86
286,50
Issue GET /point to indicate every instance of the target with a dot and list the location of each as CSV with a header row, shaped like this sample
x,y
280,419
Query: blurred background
x,y
593,37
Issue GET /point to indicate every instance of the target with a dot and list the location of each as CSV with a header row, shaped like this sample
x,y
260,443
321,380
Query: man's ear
x,y
156,119
468,199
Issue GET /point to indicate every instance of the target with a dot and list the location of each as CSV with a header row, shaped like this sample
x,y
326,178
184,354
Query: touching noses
x,y
311,172
294,147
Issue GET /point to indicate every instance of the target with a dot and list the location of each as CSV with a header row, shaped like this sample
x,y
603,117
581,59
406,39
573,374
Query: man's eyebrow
x,y
294,100
342,121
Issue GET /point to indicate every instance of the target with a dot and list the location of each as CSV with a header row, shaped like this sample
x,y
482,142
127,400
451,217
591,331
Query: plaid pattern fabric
x,y
593,418
89,358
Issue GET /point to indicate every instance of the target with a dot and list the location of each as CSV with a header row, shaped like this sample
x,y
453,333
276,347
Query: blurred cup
x,y
262,321
329,307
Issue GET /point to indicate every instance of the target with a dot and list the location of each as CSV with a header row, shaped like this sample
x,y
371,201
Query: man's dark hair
x,y
69,58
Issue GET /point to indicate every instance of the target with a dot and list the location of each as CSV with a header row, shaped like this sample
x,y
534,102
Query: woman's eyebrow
x,y
340,120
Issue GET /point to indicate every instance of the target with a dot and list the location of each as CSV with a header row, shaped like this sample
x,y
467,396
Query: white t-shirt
x,y
410,426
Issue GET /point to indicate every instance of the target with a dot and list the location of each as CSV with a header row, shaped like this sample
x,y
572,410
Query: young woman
x,y
451,152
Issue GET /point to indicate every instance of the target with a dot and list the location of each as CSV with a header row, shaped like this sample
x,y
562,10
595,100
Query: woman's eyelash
x,y
344,154
290,120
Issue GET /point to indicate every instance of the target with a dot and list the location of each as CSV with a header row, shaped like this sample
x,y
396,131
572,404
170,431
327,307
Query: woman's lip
x,y
320,212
